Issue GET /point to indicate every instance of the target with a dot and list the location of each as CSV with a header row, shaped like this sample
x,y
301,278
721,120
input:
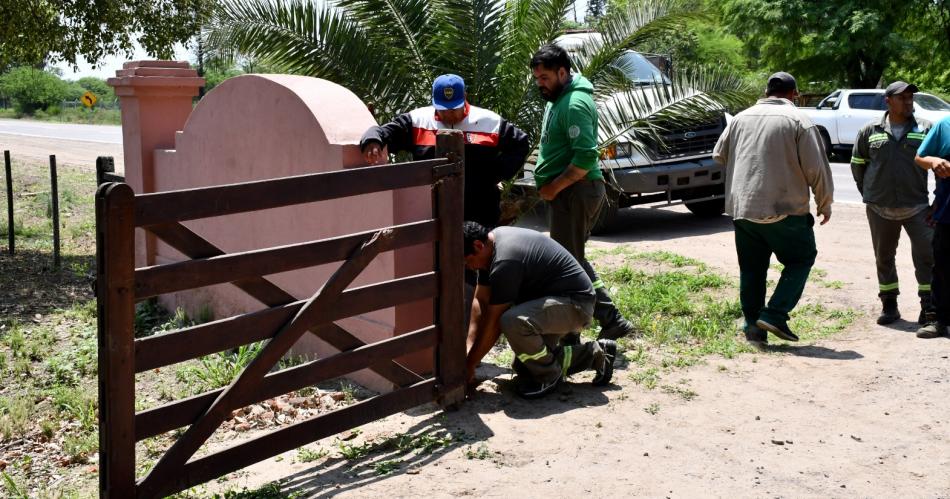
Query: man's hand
x,y
548,192
825,215
942,168
373,153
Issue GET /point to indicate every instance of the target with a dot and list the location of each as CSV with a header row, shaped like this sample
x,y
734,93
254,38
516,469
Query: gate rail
x,y
119,211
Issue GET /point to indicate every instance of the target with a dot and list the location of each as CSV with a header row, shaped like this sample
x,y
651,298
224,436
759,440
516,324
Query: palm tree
x,y
388,52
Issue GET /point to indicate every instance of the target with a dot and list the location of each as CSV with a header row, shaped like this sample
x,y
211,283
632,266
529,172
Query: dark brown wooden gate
x,y
120,285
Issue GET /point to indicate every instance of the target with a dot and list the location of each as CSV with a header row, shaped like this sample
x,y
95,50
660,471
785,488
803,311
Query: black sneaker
x,y
606,372
932,330
618,329
756,336
781,330
530,389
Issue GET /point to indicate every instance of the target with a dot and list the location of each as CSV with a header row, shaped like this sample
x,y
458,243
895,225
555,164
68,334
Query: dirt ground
x,y
862,414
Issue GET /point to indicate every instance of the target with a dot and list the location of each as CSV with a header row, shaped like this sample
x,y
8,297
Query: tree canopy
x,y
36,31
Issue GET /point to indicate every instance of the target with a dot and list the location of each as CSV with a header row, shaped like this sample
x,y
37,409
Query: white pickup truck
x,y
840,115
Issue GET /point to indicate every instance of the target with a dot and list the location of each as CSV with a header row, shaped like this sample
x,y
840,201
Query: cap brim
x,y
448,105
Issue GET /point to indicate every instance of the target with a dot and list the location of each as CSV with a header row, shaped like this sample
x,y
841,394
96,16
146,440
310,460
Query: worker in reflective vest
x,y
495,150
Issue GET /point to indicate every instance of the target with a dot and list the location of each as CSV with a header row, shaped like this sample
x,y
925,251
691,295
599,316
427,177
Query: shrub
x,y
33,89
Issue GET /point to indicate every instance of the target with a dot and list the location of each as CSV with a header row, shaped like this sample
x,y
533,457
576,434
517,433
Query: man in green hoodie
x,y
567,174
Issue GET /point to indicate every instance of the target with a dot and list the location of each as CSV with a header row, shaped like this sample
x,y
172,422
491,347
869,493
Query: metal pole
x,y
9,171
54,199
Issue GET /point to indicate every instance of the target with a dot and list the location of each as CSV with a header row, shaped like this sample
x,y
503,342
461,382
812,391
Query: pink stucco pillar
x,y
156,99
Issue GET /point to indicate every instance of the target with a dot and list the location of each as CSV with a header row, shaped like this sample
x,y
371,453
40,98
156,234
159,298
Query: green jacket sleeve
x,y
581,127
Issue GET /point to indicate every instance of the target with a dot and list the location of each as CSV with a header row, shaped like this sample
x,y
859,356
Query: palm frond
x,y
641,115
302,38
471,34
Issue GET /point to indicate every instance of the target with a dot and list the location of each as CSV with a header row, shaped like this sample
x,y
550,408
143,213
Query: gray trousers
x,y
885,235
534,329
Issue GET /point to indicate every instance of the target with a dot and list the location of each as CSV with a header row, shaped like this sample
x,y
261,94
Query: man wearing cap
x,y
773,154
568,172
934,154
495,150
895,192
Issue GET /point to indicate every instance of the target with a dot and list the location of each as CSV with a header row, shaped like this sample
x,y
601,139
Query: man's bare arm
x,y
568,177
940,166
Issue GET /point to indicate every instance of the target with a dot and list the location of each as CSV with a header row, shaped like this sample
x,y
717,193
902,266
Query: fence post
x,y
448,200
11,242
104,165
115,257
54,200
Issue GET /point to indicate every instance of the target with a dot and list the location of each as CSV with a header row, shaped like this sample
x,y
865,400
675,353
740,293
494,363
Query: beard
x,y
553,94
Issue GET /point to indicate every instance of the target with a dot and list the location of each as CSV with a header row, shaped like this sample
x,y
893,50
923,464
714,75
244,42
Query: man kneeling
x,y
534,292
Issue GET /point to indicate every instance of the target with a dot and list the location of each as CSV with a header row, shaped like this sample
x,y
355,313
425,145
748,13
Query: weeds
x,y
217,370
15,415
387,467
652,409
481,452
305,455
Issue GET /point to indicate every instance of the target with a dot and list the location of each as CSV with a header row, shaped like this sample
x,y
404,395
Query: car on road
x,y
840,115
678,171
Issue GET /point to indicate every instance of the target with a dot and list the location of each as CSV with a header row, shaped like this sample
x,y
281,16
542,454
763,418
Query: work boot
x,y
606,370
612,325
889,312
756,336
932,330
928,312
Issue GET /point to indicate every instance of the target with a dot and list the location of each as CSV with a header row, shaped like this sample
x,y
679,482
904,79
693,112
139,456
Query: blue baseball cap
x,y
448,92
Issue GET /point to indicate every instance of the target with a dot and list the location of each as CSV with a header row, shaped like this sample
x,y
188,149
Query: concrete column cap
x,y
166,77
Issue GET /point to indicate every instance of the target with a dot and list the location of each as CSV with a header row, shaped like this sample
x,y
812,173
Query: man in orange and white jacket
x,y
495,150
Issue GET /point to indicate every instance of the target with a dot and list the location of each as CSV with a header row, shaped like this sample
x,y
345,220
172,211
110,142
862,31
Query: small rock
x,y
778,442
757,418
299,401
337,396
256,411
267,417
789,442
242,427
646,454
412,471
856,439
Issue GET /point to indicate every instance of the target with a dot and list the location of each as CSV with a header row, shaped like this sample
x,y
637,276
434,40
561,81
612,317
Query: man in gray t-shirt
x,y
534,292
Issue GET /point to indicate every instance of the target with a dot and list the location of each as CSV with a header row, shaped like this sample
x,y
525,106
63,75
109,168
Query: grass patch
x,y
687,311
305,455
652,409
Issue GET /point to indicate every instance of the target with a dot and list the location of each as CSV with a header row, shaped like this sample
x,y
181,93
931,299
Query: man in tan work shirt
x,y
773,154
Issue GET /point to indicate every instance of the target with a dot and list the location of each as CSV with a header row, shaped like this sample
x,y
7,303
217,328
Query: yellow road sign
x,y
89,99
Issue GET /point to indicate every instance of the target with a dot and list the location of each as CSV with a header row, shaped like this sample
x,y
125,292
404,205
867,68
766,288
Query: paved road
x,y
846,191
103,134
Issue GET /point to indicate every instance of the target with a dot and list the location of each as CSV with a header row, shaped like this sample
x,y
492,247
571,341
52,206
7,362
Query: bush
x,y
33,89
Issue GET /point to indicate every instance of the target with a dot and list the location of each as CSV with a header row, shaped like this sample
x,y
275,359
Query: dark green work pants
x,y
793,242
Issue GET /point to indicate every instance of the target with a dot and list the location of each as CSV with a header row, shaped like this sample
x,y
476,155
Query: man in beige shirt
x,y
773,155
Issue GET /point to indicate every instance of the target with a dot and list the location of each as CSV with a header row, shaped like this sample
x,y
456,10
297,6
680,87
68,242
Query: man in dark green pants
x,y
773,154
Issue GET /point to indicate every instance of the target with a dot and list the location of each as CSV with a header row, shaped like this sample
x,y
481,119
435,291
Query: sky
x,y
110,64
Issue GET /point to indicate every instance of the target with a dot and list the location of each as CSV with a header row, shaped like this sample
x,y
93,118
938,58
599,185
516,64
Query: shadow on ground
x,y
816,352
29,284
465,426
647,224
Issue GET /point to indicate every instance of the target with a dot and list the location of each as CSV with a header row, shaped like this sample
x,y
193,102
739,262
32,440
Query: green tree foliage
x,y
927,64
33,31
848,42
388,52
33,89
99,87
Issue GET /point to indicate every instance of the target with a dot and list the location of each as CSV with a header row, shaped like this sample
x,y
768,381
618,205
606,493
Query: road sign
x,y
89,99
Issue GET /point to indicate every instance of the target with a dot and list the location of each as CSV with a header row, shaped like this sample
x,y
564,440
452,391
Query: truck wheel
x,y
826,140
713,208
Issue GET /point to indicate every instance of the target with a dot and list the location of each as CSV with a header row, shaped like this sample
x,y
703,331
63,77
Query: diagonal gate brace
x,y
313,312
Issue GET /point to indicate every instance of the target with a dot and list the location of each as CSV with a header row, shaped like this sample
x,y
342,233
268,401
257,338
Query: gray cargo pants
x,y
534,328
885,235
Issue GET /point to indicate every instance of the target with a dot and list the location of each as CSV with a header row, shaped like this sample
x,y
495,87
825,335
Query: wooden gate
x,y
119,211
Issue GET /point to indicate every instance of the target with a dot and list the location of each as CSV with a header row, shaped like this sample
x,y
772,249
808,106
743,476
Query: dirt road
x,y
863,414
